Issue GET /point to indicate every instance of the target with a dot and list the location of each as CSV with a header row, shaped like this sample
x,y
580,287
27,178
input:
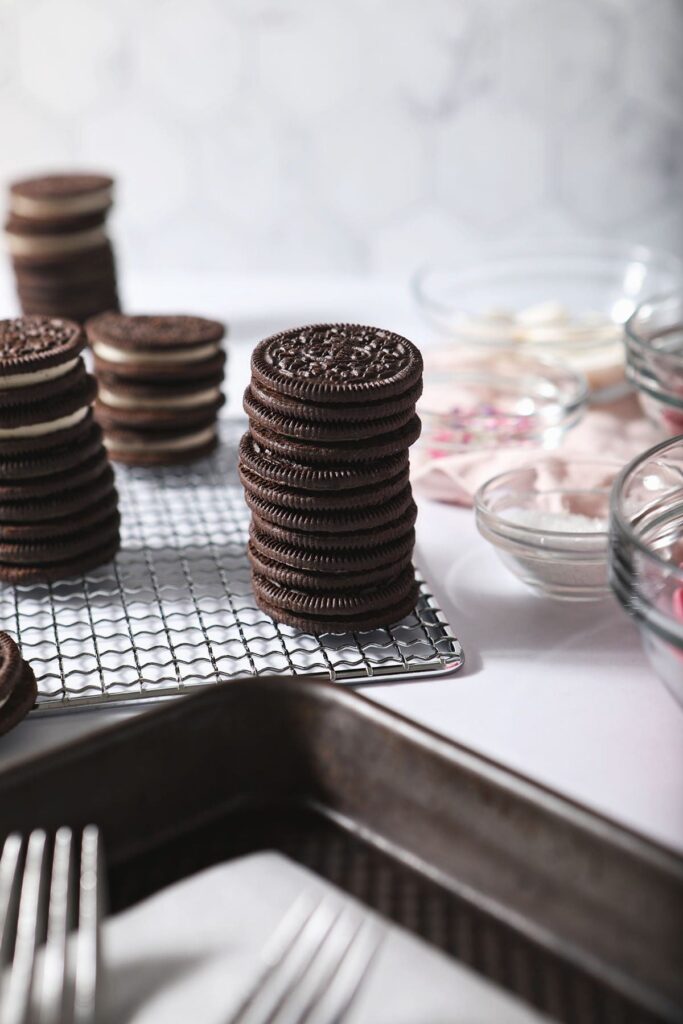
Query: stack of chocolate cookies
x,y
160,383
56,236
58,504
325,471
18,689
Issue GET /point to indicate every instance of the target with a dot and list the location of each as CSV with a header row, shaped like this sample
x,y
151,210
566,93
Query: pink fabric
x,y
618,431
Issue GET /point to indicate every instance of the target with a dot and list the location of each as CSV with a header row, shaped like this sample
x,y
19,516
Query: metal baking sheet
x,y
175,611
579,917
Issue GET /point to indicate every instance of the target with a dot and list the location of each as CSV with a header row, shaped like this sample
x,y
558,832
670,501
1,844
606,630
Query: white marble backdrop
x,y
327,135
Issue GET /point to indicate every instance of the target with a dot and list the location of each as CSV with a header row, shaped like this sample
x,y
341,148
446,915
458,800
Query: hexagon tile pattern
x,y
352,134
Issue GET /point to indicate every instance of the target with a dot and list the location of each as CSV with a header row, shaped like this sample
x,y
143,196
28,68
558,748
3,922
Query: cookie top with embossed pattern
x,y
35,343
152,333
337,363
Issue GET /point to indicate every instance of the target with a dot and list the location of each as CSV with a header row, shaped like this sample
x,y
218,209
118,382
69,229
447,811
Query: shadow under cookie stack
x,y
159,381
58,504
61,254
325,469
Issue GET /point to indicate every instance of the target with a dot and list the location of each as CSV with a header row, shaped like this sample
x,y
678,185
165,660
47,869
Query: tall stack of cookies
x,y
57,239
160,383
58,504
324,466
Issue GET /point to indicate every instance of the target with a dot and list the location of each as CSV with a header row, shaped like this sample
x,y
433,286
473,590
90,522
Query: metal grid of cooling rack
x,y
176,611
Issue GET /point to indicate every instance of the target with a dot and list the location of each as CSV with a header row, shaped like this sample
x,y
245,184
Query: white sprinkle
x,y
557,522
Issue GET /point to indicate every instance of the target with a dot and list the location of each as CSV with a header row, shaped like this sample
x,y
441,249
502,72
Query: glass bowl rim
x,y
574,379
639,339
488,514
623,525
508,258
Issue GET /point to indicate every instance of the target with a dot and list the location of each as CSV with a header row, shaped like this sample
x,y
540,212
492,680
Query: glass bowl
x,y
646,554
549,524
502,399
654,353
566,299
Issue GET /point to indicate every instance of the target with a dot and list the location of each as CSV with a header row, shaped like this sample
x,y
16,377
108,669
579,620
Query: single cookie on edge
x,y
18,688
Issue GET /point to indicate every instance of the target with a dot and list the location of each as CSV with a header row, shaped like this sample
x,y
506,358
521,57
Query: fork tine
x,y
297,945
348,976
88,939
51,1002
30,927
10,887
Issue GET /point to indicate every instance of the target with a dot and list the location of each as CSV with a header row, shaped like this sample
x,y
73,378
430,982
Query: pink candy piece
x,y
677,603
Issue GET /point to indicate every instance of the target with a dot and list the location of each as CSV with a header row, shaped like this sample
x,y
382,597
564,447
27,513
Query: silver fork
x,y
40,901
314,966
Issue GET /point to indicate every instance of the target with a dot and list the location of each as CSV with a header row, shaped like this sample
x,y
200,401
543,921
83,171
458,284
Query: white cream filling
x,y
117,401
173,444
54,245
60,206
48,427
122,355
22,380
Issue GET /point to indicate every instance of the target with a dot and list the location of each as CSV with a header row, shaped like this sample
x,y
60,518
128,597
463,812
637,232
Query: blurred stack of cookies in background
x,y
57,240
159,380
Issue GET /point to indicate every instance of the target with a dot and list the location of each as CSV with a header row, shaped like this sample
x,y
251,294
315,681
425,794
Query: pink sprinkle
x,y
677,603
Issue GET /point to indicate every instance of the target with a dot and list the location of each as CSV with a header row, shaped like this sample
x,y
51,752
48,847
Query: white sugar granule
x,y
557,522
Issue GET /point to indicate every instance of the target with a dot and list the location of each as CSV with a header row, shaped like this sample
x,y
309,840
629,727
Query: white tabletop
x,y
559,692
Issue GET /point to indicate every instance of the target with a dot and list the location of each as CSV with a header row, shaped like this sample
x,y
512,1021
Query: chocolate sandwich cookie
x,y
312,501
55,196
330,430
102,552
47,389
321,412
155,348
258,459
173,447
54,460
62,501
32,456
29,226
36,419
348,520
71,268
157,413
44,552
18,688
96,512
335,452
363,621
35,344
324,541
365,599
39,486
334,363
310,560
321,581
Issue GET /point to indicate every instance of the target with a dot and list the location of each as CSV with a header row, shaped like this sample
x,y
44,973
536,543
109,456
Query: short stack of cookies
x,y
57,239
325,470
18,689
58,504
159,383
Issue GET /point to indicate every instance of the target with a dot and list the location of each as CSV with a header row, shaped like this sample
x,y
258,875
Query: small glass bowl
x,y
503,399
654,354
566,299
563,554
646,555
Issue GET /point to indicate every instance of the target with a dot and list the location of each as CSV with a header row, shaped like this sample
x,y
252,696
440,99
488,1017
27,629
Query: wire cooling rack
x,y
176,611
